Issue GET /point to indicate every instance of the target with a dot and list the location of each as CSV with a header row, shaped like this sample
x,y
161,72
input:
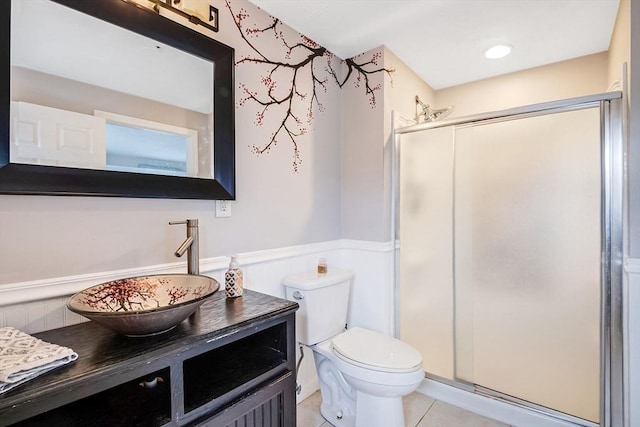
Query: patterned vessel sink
x,y
146,305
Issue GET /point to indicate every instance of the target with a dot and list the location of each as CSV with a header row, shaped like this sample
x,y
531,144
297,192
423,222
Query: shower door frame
x,y
613,244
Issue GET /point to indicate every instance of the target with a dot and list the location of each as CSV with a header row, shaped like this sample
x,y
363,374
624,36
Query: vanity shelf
x,y
234,359
129,404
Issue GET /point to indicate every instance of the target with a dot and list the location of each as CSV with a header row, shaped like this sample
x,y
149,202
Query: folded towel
x,y
23,357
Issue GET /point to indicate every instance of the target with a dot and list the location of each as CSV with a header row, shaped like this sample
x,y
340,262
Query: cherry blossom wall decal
x,y
306,68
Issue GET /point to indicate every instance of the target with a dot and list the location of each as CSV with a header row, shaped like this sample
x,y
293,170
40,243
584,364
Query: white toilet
x,y
363,374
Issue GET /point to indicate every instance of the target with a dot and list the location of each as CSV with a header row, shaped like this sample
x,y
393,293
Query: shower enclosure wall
x,y
509,264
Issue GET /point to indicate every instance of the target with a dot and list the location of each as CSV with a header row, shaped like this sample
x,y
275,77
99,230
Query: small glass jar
x,y
322,266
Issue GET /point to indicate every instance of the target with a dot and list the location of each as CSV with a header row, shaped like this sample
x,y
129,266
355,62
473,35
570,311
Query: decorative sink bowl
x,y
146,305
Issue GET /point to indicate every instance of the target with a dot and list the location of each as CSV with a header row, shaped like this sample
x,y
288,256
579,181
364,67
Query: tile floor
x,y
419,411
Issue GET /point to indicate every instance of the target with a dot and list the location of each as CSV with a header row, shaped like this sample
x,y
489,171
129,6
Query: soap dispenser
x,y
233,279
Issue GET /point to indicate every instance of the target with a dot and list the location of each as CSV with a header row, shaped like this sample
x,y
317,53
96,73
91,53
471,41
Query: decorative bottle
x,y
233,279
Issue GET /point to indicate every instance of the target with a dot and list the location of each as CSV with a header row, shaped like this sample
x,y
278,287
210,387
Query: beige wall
x,y
576,77
620,46
362,159
400,93
366,157
634,136
44,237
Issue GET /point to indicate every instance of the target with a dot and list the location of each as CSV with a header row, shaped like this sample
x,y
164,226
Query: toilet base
x,y
348,401
370,411
338,405
376,411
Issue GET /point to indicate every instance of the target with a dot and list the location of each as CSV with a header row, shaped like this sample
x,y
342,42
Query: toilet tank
x,y
323,300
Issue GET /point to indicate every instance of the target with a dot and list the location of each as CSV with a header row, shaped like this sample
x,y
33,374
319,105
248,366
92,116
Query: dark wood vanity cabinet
x,y
231,364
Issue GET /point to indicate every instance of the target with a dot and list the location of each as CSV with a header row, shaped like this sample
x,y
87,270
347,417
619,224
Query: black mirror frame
x,y
50,180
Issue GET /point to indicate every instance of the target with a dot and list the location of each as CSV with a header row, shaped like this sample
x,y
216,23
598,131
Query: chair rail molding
x,y
36,290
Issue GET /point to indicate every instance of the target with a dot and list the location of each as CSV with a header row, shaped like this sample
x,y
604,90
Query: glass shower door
x,y
426,248
527,254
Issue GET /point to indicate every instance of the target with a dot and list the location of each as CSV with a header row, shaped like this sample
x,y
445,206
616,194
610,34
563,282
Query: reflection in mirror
x,y
108,98
69,69
148,147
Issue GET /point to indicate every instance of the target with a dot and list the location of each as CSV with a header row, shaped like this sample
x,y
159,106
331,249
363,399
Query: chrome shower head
x,y
431,115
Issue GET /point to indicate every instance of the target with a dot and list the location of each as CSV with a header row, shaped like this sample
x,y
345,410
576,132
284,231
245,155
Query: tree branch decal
x,y
362,74
309,67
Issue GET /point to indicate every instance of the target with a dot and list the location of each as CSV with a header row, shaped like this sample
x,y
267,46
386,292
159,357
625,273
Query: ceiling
x,y
444,41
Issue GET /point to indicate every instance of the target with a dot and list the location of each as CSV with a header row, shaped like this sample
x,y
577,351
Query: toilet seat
x,y
375,351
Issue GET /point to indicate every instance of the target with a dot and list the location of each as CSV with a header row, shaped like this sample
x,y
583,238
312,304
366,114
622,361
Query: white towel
x,y
23,357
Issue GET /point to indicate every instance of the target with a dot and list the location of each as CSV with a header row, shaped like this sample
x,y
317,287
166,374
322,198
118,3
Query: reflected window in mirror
x,y
134,145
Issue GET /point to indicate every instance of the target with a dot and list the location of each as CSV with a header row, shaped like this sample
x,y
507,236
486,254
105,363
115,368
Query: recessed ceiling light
x,y
498,51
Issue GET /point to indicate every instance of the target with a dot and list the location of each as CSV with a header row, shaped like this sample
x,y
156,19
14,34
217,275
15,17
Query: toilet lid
x,y
375,351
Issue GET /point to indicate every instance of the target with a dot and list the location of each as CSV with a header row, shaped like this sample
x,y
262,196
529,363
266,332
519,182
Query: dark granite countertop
x,y
102,352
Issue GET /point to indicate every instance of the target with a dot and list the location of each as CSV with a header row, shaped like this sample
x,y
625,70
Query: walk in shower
x,y
510,254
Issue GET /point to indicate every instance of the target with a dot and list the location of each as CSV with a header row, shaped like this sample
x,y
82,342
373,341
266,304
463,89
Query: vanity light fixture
x,y
498,51
191,9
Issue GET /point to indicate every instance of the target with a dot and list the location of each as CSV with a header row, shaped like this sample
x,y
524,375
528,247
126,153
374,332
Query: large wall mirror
x,y
108,98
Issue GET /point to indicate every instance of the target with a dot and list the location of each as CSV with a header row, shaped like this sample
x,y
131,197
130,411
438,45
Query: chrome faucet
x,y
190,244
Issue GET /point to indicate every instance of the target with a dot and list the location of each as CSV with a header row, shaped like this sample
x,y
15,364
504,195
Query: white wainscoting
x,y
631,310
41,305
